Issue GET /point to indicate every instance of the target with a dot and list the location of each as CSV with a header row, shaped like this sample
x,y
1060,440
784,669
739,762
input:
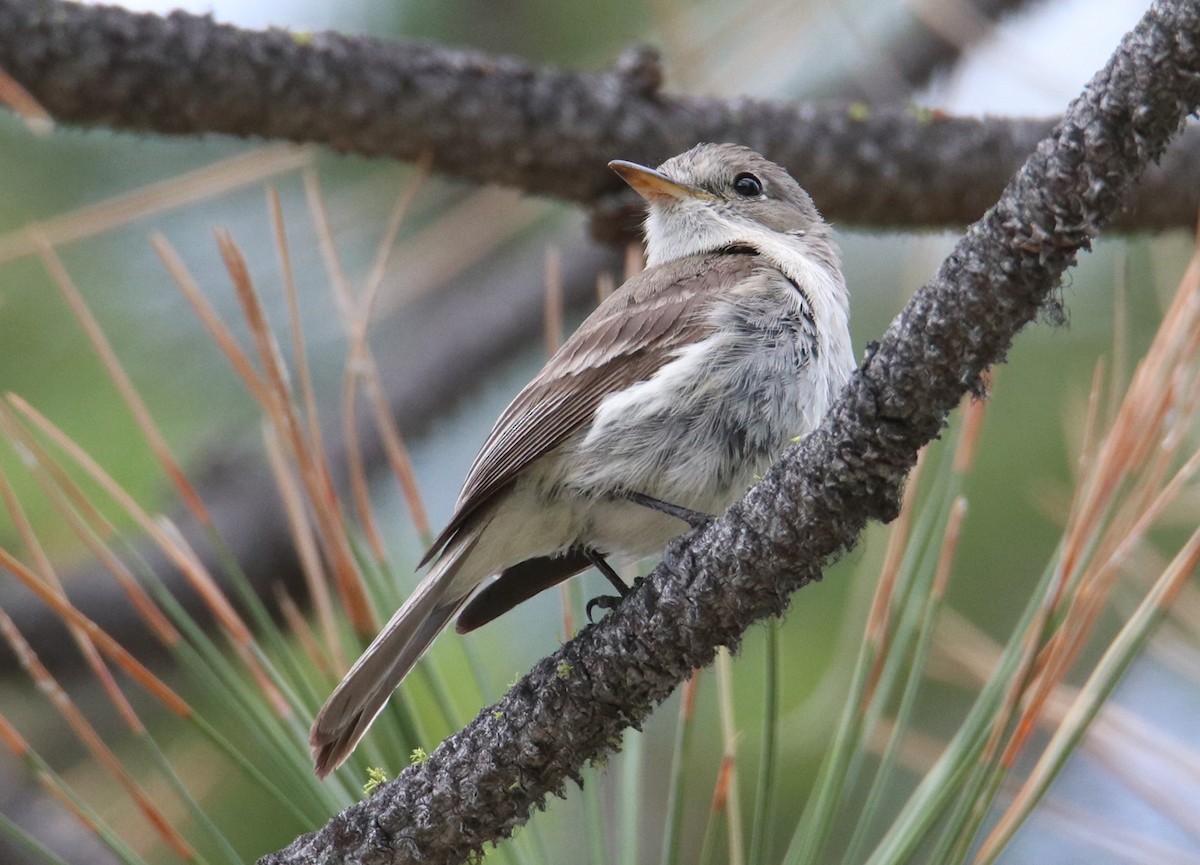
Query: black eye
x,y
747,185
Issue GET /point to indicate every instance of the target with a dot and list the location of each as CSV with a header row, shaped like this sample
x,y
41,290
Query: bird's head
x,y
715,195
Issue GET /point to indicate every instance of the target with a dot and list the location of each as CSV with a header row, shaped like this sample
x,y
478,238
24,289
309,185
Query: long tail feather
x,y
364,691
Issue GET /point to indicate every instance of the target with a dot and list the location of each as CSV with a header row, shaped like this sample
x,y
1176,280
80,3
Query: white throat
x,y
686,228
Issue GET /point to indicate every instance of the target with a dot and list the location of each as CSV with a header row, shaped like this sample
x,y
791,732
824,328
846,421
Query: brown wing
x,y
610,351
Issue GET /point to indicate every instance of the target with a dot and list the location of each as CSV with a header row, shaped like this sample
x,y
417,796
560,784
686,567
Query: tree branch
x,y
494,119
712,585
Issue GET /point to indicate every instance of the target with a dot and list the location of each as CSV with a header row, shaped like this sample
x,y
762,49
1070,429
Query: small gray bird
x,y
682,386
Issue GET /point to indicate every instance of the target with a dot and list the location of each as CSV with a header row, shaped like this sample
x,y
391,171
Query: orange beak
x,y
652,185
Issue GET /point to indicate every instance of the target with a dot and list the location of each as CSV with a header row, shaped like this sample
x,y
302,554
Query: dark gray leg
x,y
695,519
601,564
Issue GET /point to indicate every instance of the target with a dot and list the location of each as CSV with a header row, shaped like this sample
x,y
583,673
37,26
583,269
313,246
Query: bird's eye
x,y
747,185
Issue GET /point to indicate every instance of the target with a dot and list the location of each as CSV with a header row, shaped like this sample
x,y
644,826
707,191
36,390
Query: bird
x,y
662,408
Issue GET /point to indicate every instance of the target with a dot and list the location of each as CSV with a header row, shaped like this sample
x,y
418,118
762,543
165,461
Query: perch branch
x,y
496,119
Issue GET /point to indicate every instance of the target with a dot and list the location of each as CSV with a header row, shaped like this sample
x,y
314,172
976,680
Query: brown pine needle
x,y
879,618
91,527
967,656
1120,338
344,300
720,796
211,181
945,562
12,739
360,488
1181,569
383,254
368,370
221,335
125,387
361,368
170,543
396,451
974,411
275,403
92,740
1106,526
313,469
306,545
269,357
1086,608
1125,489
687,697
319,214
63,608
298,625
247,650
1088,453
22,103
299,349
315,574
464,235
45,570
1148,404
731,801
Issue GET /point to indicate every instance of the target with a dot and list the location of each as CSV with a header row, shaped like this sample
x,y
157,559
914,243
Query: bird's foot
x,y
607,602
604,602
695,519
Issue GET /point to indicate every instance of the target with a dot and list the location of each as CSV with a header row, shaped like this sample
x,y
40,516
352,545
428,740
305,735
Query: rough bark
x,y
713,584
494,119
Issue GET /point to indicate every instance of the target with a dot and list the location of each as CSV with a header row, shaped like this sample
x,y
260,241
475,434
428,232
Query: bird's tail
x,y
364,691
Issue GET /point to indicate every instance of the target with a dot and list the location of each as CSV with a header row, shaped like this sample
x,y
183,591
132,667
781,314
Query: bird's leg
x,y
605,602
695,519
601,564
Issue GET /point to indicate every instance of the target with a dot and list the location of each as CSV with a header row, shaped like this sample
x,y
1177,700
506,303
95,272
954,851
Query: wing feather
x,y
610,351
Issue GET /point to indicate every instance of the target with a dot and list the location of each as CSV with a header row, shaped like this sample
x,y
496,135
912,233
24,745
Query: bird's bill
x,y
651,184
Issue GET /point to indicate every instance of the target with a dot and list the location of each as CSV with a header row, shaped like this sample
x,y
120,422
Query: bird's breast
x,y
699,430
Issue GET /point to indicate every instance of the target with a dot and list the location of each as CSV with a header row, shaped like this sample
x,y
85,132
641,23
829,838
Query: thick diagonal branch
x,y
495,119
485,780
